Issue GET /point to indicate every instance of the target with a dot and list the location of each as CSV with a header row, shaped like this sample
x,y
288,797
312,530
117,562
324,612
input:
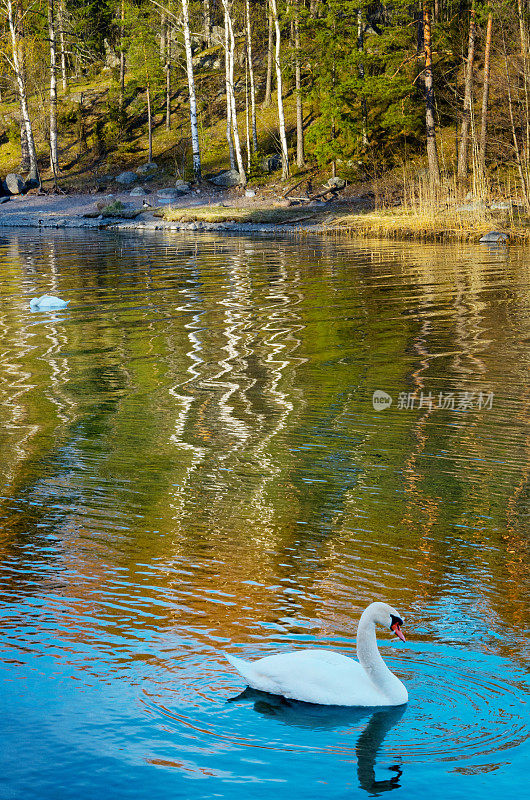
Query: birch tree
x,y
191,87
122,53
18,68
251,79
53,91
485,94
298,88
468,100
281,116
61,21
230,89
270,43
228,100
432,150
167,68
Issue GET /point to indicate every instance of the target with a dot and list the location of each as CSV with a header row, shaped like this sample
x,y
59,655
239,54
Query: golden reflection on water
x,y
196,435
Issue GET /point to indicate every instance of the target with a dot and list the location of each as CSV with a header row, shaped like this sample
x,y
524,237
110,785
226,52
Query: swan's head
x,y
388,617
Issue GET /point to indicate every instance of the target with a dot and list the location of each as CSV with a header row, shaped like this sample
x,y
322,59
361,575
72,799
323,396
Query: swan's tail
x,y
243,667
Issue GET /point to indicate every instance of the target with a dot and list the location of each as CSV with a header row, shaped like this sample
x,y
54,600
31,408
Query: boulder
x,y
229,177
494,237
271,162
207,60
335,183
126,178
147,169
14,183
137,192
250,193
182,186
168,194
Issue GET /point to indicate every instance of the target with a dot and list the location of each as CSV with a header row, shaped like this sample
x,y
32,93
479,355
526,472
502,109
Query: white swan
x,y
329,678
47,302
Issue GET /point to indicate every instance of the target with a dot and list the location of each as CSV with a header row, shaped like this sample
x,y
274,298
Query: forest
x,y
433,91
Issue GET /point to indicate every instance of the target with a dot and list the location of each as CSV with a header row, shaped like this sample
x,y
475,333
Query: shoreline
x,y
70,211
196,214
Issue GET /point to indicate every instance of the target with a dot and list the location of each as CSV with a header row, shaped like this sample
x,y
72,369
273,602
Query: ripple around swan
x,y
480,709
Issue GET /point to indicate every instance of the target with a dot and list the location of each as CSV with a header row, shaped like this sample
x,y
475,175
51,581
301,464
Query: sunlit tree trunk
x,y
207,22
168,81
524,55
270,45
163,37
485,94
122,54
281,116
18,67
432,151
64,75
251,78
247,120
53,91
360,47
24,150
298,88
468,100
233,111
191,87
228,100
517,149
149,115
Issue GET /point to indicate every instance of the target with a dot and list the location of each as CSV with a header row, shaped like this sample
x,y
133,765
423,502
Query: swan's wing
x,y
315,676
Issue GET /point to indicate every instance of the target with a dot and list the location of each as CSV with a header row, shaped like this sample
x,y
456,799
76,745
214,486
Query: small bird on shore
x,y
146,204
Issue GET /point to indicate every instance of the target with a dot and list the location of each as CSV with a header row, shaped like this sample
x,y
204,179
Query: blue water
x,y
191,463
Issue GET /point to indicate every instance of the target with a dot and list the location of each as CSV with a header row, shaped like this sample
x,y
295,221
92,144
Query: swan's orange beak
x,y
397,630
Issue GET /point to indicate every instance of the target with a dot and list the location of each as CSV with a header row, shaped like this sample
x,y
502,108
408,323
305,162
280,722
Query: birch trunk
x,y
18,65
252,84
360,47
522,175
228,103
233,111
191,86
432,151
485,94
148,98
207,21
122,54
168,82
247,128
53,91
524,56
64,76
163,37
24,151
468,99
298,88
281,116
268,81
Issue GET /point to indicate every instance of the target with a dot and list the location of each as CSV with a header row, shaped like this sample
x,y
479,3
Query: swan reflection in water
x,y
324,718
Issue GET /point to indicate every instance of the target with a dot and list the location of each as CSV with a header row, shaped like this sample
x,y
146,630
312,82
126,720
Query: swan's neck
x,y
372,662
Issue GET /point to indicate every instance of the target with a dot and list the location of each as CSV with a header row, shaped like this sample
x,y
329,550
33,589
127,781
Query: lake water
x,y
191,462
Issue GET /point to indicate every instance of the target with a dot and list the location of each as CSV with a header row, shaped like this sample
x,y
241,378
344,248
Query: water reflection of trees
x,y
209,404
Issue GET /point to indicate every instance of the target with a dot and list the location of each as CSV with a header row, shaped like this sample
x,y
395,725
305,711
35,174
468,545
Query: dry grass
x,y
274,216
431,224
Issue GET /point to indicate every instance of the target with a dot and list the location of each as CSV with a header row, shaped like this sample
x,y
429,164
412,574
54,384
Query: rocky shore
x,y
84,211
